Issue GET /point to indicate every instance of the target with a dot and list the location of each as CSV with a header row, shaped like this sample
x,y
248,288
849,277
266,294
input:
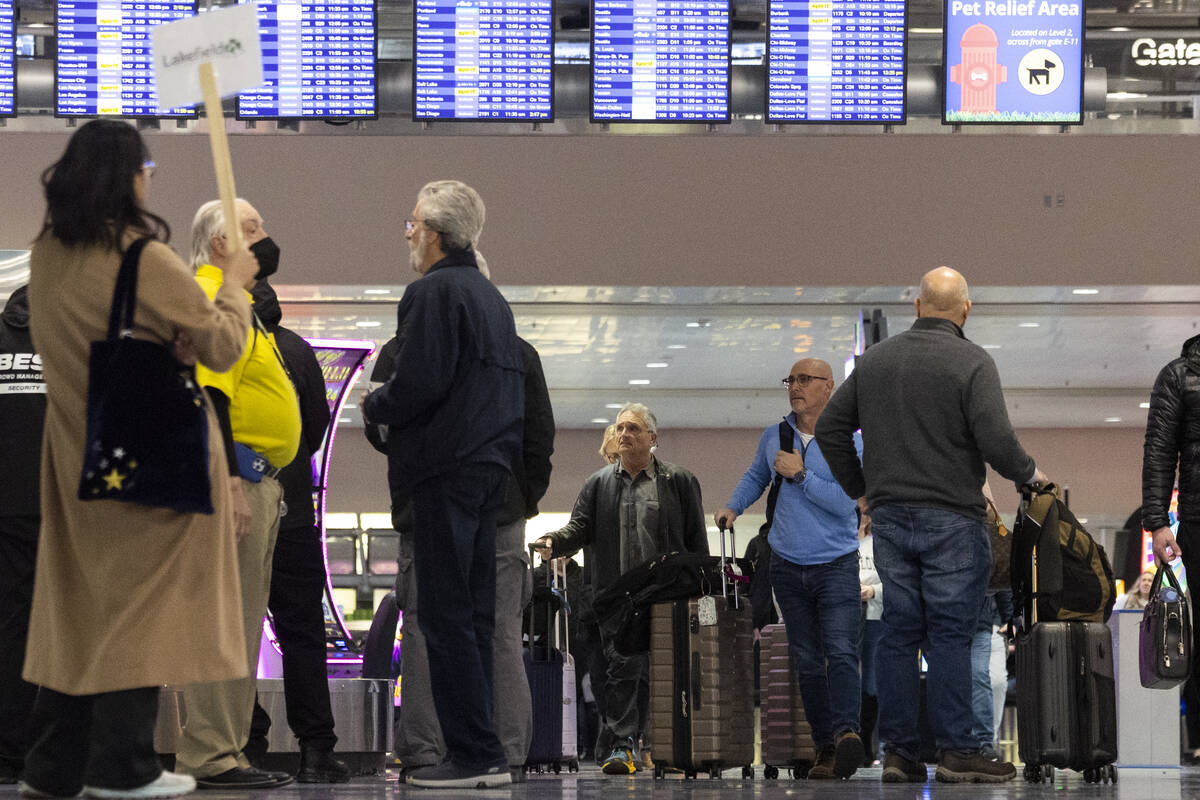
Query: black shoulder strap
x,y
787,443
120,317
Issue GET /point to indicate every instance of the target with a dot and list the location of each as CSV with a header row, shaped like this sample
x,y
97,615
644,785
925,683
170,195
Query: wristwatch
x,y
799,477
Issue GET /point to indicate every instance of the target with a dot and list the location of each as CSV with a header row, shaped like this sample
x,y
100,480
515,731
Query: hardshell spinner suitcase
x,y
701,685
1066,701
550,669
1066,690
786,736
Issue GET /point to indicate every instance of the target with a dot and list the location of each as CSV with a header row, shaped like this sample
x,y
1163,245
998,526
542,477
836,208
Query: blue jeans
x,y
934,564
981,688
823,615
454,524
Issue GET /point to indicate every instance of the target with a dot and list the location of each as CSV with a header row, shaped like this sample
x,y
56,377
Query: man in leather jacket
x,y
626,514
1173,436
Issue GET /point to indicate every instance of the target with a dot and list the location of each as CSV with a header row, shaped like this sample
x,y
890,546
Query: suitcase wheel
x,y
800,770
1039,773
659,771
748,772
689,774
573,765
1112,773
770,773
556,766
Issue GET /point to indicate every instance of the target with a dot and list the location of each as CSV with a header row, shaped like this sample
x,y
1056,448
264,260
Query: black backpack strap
x,y
120,316
787,443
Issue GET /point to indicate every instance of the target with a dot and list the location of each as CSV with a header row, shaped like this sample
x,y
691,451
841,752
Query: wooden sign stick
x,y
222,164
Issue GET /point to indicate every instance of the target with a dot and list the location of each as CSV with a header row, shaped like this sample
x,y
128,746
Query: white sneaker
x,y
168,784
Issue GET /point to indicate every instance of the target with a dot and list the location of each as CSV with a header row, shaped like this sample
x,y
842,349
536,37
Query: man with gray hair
x,y
626,514
259,414
453,408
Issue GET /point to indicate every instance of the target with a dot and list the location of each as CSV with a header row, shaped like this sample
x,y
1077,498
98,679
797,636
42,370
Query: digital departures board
x,y
660,61
8,59
104,63
318,61
483,60
836,61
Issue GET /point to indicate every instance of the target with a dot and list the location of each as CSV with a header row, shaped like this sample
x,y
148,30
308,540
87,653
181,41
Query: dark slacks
x,y
454,519
101,740
18,558
297,591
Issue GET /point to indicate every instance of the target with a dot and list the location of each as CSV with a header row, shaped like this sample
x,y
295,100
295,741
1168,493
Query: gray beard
x,y
416,255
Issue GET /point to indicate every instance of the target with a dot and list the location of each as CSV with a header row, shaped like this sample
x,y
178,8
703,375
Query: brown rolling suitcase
x,y
786,736
701,684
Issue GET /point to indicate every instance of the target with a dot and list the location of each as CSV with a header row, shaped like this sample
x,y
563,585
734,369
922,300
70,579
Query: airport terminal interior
x,y
684,250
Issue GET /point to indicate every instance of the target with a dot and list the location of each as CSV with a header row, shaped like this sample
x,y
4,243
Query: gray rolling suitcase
x,y
786,736
701,684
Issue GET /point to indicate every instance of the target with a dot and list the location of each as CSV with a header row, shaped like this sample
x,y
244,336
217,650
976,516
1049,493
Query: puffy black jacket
x,y
22,410
1173,436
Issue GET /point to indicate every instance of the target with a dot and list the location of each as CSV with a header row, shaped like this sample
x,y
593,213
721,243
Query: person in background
x,y
454,406
931,412
814,567
871,592
609,450
296,599
115,581
22,410
259,414
1137,597
626,514
1172,451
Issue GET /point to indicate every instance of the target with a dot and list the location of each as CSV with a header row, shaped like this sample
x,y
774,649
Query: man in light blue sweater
x,y
814,567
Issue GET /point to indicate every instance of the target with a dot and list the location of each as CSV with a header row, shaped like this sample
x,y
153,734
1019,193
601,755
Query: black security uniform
x,y
22,411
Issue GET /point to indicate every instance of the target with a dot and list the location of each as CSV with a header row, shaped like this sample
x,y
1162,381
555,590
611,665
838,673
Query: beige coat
x,y
125,595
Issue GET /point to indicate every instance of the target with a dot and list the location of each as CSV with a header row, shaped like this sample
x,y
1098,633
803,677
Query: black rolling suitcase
x,y
1066,692
551,673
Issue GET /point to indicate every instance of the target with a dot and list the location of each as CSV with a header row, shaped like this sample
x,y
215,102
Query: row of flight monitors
x,y
492,60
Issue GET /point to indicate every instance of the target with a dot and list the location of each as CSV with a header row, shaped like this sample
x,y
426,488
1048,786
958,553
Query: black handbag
x,y
147,430
1165,634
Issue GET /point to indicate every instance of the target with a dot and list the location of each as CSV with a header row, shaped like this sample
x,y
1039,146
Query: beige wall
x,y
844,210
1102,467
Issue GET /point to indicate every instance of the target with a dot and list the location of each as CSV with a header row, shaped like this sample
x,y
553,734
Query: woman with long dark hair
x,y
126,597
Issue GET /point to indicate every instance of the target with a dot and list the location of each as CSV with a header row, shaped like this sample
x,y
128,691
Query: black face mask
x,y
267,253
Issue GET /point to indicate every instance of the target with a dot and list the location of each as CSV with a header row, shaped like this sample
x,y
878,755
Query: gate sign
x,y
1013,62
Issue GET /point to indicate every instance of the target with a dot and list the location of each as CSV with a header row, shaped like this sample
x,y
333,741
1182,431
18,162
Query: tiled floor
x,y
591,783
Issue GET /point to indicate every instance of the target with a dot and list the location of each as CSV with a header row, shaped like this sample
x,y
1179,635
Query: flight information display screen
x,y
104,59
660,60
483,60
318,61
836,61
8,59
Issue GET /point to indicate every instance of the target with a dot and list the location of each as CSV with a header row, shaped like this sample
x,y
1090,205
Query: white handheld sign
x,y
227,39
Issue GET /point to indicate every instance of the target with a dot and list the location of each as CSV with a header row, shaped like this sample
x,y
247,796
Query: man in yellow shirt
x,y
260,419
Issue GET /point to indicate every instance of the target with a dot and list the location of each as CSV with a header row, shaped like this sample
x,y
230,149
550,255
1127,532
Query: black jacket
x,y
456,394
1173,436
932,413
531,473
595,522
297,477
22,410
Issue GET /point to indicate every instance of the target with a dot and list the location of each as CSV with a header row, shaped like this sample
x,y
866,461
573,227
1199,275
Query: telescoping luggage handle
x,y
557,584
730,577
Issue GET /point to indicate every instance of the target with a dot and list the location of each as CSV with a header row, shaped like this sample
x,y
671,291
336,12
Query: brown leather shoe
x,y
972,768
898,769
823,769
847,754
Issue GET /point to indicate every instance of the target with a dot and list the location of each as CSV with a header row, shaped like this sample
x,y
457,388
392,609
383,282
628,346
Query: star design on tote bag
x,y
114,479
